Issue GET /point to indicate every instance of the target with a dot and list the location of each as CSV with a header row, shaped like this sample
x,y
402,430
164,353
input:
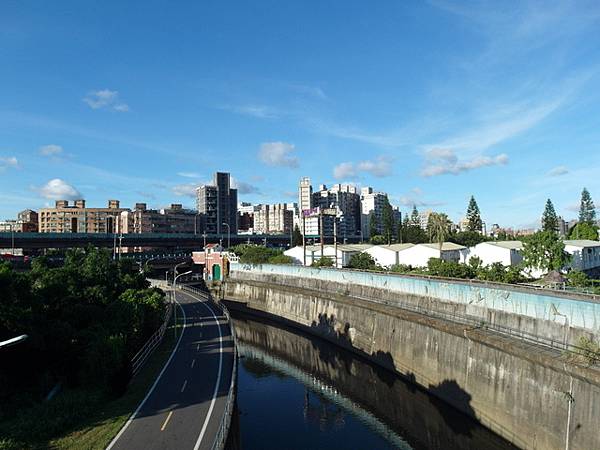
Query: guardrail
x,y
140,358
222,433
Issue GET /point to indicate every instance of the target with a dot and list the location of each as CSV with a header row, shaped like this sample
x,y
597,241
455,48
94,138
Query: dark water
x,y
296,391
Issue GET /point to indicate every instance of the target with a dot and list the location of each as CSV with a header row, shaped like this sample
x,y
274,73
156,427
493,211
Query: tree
x,y
468,238
414,234
473,216
587,210
362,261
584,230
439,228
373,225
296,237
388,221
415,219
544,250
549,218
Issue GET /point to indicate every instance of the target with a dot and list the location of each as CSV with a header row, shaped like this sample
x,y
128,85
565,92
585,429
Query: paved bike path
x,y
185,407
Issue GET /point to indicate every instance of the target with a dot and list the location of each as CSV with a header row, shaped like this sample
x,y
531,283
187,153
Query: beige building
x,y
273,219
174,219
27,222
76,218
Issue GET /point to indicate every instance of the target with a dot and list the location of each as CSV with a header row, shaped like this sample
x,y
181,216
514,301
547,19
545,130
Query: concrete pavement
x,y
184,408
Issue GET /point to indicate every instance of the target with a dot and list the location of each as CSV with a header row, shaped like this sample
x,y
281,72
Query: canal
x,y
296,391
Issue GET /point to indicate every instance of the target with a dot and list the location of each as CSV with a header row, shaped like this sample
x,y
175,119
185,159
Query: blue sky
x,y
428,101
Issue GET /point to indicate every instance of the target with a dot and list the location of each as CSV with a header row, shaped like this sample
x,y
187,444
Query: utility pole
x,y
303,239
335,240
321,231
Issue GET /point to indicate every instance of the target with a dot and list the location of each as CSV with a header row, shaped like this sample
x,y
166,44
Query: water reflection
x,y
296,391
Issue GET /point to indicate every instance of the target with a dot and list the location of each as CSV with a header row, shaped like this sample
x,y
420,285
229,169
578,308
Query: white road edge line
x,y
116,438
166,421
217,384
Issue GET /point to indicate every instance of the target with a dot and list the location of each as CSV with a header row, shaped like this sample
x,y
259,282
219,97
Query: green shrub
x,y
401,268
449,269
363,261
281,259
577,278
325,261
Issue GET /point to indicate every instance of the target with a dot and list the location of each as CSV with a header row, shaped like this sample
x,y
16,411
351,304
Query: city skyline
x,y
420,101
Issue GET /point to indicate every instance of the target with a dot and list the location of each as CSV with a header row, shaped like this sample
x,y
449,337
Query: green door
x,y
216,275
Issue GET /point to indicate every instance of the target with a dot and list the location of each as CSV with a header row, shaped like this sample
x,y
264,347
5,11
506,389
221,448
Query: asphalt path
x,y
185,406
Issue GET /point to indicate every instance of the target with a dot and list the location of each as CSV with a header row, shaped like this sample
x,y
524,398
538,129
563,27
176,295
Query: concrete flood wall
x,y
426,422
518,391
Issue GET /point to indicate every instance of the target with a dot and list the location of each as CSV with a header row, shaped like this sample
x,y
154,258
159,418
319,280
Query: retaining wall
x,y
517,390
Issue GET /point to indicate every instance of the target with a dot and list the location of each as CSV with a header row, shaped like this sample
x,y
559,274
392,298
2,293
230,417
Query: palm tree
x,y
439,228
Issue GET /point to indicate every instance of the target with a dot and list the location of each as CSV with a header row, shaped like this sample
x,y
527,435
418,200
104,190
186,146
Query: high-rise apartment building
x,y
77,218
273,219
305,192
217,205
346,200
372,204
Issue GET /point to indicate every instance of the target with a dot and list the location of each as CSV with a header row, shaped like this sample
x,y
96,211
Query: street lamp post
x,y
12,239
228,234
175,293
13,341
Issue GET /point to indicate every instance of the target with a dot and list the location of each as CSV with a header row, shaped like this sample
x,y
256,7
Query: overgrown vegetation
x,y
589,350
85,320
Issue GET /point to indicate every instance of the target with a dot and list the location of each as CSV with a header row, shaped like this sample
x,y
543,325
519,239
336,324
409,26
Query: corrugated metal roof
x,y
445,246
395,247
582,243
511,245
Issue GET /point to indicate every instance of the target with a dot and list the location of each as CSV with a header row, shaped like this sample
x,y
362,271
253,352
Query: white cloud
x,y
558,171
258,111
57,189
185,190
313,91
189,174
245,188
278,154
415,198
8,162
344,170
379,167
445,161
51,150
105,99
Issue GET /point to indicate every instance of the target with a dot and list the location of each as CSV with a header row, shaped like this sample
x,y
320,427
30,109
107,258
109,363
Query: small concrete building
x,y
214,260
345,252
313,253
420,254
509,253
585,254
387,255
